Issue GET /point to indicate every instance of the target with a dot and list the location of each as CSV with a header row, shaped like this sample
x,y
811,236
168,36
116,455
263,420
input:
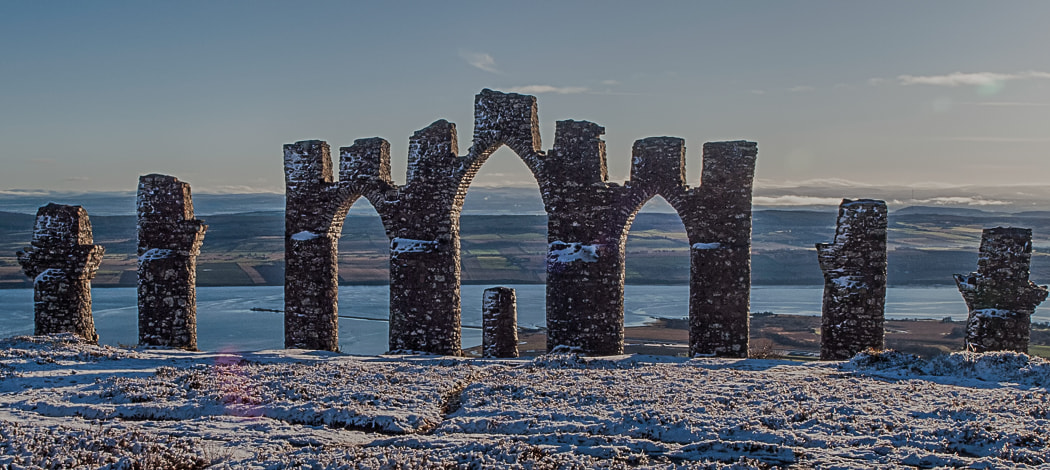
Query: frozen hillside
x,y
64,403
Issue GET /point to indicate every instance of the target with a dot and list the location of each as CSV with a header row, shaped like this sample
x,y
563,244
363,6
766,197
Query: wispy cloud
x,y
479,60
793,200
997,140
972,79
954,201
800,89
1005,103
538,89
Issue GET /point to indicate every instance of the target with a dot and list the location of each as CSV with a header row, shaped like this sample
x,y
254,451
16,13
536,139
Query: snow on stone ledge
x,y
50,274
993,313
707,246
408,245
304,236
567,252
154,254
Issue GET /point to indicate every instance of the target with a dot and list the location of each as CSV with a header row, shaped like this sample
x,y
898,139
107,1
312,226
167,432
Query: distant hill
x,y
504,240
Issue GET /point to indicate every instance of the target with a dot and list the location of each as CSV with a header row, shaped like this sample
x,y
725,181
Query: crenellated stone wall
x,y
999,295
499,323
854,266
588,220
62,260
169,241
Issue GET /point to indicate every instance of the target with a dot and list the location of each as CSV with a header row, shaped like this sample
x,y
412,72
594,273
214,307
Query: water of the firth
x,y
225,320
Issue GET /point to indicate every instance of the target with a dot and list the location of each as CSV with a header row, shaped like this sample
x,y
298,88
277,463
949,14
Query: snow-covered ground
x,y
64,403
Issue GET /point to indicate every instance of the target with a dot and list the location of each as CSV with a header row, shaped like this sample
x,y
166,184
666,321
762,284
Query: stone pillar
x,y
717,216
311,277
424,250
62,260
999,295
499,321
170,240
585,250
854,266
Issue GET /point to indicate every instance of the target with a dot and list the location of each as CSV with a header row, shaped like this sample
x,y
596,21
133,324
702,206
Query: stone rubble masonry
x,y
588,220
62,261
169,241
999,295
499,317
854,266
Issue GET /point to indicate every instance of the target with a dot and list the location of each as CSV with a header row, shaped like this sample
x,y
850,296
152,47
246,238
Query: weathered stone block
x,y
62,261
169,241
854,266
499,317
999,295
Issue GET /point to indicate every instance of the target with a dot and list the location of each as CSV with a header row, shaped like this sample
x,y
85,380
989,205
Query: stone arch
x,y
587,219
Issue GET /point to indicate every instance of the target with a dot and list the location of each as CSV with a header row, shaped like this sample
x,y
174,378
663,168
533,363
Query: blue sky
x,y
94,94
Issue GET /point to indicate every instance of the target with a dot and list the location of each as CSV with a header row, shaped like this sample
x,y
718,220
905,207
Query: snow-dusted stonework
x,y
854,265
170,239
999,295
499,323
588,220
62,261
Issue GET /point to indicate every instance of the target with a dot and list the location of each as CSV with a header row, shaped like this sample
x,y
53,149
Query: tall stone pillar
x,y
717,216
499,321
424,252
62,261
999,295
170,240
585,244
311,277
854,266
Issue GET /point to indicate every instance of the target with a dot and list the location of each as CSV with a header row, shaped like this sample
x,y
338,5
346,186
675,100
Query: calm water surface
x,y
225,320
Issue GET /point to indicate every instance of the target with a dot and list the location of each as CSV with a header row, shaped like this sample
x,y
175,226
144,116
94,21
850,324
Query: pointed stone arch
x,y
587,219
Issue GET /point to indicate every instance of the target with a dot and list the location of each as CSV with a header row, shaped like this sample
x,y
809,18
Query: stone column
x,y
854,266
499,321
585,244
311,277
424,250
999,295
62,260
717,217
170,240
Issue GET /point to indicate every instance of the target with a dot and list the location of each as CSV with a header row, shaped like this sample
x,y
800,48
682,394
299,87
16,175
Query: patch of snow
x,y
304,236
849,282
567,252
707,246
993,313
50,274
154,254
67,403
400,245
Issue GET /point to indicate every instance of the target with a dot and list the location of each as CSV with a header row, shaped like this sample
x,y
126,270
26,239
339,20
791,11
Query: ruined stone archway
x,y
587,221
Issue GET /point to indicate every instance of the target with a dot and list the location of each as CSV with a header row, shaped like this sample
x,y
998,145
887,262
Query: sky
x,y
94,94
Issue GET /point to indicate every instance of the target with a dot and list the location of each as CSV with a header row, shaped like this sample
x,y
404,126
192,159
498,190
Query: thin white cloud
x,y
239,189
610,82
791,200
973,79
538,89
479,60
1005,104
758,92
800,89
998,140
957,201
